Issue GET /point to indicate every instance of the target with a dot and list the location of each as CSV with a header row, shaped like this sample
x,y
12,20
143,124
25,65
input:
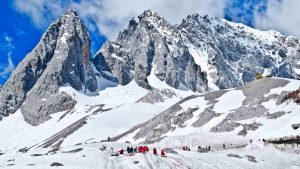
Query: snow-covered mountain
x,y
156,84
201,53
62,57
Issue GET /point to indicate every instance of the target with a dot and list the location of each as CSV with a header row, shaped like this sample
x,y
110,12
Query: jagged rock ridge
x,y
200,53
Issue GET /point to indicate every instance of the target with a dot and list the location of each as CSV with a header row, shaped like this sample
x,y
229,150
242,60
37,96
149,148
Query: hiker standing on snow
x,y
146,149
128,149
154,151
162,153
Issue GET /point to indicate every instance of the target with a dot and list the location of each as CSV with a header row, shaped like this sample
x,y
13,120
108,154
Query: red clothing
x,y
154,151
146,149
140,149
162,153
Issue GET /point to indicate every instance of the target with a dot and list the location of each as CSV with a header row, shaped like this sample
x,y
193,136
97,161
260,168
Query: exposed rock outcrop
x,y
61,58
149,44
200,53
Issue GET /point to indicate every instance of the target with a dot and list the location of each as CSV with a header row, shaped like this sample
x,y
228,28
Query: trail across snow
x,y
255,155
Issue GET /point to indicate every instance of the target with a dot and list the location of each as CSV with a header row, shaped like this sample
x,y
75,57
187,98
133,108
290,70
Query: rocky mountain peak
x,y
61,58
71,12
149,15
224,54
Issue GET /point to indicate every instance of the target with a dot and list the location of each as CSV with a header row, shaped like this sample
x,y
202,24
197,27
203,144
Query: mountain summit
x,y
200,54
62,57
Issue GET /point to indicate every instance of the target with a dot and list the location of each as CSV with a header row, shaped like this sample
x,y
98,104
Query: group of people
x,y
141,149
131,149
186,148
206,147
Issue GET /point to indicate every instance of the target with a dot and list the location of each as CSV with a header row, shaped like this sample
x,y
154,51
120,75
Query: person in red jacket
x,y
140,149
154,151
146,149
162,153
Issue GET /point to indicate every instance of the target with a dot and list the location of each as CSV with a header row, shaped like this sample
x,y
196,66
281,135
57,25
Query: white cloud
x,y
41,11
281,15
8,39
6,70
111,16
7,46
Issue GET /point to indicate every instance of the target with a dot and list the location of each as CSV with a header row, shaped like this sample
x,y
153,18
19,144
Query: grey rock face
x,y
55,103
151,44
157,96
61,58
185,55
102,68
237,52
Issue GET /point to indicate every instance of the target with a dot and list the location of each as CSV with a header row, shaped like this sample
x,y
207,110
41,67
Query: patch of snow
x,y
229,101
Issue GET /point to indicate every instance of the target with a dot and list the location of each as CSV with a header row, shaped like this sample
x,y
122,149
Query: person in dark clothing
x,y
154,151
128,149
135,150
108,139
224,146
209,148
131,149
162,153
121,151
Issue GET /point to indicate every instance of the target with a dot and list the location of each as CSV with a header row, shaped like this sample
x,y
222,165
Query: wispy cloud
x,y
7,46
108,17
280,15
7,69
41,11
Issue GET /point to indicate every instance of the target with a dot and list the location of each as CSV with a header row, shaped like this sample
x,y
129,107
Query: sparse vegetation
x,y
295,96
258,76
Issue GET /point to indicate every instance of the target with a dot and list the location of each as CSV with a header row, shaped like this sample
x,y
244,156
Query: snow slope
x,y
231,116
116,110
108,114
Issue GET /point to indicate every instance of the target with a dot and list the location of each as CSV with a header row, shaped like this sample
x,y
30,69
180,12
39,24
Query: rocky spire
x,y
61,58
150,44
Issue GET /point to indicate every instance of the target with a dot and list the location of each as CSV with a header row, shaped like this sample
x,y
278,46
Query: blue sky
x,y
24,21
